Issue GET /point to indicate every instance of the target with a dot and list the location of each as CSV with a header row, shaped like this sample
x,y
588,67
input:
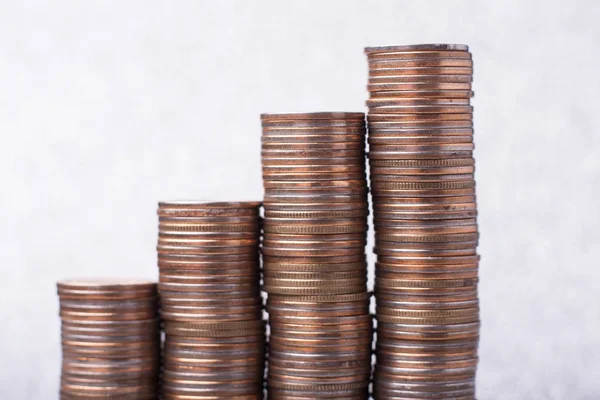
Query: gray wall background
x,y
109,106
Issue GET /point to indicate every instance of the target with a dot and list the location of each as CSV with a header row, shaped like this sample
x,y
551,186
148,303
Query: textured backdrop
x,y
109,106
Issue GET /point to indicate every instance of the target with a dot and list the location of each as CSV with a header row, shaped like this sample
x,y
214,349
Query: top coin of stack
x,y
208,258
313,249
422,178
110,339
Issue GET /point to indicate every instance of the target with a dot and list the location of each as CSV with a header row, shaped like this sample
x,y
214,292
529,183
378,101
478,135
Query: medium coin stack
x,y
110,339
211,306
313,255
421,165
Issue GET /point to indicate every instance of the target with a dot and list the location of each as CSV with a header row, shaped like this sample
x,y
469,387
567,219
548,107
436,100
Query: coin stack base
x,y
110,339
422,178
314,259
211,304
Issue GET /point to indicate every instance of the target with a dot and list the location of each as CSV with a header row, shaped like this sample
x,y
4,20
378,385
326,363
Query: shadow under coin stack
x,y
211,307
421,165
110,339
313,253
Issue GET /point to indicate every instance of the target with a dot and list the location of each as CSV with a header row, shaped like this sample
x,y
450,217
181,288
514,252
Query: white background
x,y
107,107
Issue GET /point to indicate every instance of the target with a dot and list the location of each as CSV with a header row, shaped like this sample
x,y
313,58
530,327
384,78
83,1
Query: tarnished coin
x,y
207,209
436,47
311,116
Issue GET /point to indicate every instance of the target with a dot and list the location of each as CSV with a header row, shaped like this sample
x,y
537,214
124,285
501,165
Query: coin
x,y
437,47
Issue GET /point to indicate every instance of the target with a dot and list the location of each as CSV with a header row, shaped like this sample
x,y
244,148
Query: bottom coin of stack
x,y
211,305
110,339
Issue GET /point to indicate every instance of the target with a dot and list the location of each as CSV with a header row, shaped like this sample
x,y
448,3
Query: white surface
x,y
110,106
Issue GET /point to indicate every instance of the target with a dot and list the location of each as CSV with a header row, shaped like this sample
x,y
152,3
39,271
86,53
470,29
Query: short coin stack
x,y
421,164
110,339
314,259
211,307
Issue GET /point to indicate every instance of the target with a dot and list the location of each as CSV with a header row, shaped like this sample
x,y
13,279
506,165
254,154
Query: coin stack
x,y
421,165
314,259
110,339
211,306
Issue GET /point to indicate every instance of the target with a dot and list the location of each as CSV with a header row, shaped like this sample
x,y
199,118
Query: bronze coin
x,y
323,215
397,260
427,283
418,86
407,120
418,54
315,275
320,160
310,146
321,204
208,209
194,278
275,177
421,110
383,272
430,78
314,133
403,140
312,116
312,262
314,169
344,184
204,260
269,153
382,70
420,62
420,71
427,94
314,124
437,47
204,250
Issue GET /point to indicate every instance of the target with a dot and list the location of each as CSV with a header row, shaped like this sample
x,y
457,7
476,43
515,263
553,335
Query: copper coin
x,y
452,173
393,181
416,47
208,209
317,262
314,177
317,134
421,110
430,78
321,160
204,260
419,54
344,184
322,215
377,70
418,62
311,116
309,145
315,275
314,124
313,169
281,268
308,206
427,94
204,250
386,120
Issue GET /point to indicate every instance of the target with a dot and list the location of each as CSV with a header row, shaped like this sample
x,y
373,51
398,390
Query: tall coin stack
x,y
211,307
110,339
314,258
421,165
